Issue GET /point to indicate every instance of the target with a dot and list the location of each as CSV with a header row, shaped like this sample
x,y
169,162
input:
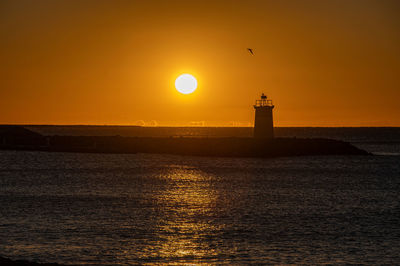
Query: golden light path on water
x,y
189,198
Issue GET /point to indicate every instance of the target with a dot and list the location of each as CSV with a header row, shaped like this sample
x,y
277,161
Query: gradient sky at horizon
x,y
323,63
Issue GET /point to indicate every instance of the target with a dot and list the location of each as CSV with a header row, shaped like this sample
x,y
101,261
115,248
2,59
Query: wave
x,y
387,153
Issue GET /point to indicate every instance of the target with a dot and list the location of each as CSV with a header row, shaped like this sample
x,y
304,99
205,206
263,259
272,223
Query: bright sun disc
x,y
186,83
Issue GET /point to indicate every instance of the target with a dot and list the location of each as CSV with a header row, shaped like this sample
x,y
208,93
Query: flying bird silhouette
x,y
250,51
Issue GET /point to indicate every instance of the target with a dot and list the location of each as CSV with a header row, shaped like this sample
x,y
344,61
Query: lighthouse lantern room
x,y
263,123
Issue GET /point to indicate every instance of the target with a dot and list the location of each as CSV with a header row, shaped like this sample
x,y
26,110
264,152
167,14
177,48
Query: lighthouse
x,y
263,122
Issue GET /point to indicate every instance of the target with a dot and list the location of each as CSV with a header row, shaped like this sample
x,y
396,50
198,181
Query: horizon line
x,y
187,126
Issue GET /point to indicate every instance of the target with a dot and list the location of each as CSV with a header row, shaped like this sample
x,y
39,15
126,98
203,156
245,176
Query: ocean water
x,y
113,209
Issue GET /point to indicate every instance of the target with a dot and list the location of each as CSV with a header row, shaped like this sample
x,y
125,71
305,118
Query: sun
x,y
186,84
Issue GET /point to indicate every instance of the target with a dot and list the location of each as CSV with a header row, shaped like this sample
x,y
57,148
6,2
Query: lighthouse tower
x,y
263,123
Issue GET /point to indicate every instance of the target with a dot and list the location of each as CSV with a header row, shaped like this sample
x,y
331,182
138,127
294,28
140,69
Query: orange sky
x,y
324,63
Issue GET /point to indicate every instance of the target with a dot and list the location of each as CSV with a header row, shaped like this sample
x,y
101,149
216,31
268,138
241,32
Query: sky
x,y
323,63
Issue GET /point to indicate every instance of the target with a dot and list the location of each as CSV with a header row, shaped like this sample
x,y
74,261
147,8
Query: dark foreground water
x,y
147,209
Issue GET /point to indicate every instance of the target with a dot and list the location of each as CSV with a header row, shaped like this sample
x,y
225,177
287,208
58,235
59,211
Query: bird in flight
x,y
250,51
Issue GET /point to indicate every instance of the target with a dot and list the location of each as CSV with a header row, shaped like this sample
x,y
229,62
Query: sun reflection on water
x,y
189,200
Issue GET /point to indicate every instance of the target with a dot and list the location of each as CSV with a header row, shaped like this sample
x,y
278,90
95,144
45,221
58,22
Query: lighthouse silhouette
x,y
263,122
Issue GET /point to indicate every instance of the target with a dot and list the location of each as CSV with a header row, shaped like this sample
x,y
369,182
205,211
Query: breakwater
x,y
18,138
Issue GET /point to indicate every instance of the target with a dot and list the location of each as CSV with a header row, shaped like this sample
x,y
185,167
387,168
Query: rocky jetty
x,y
19,138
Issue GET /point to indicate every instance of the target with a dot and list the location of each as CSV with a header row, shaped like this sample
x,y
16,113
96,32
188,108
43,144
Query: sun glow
x,y
186,84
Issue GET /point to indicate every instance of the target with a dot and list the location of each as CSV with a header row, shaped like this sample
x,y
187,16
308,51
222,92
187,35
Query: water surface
x,y
145,208
141,208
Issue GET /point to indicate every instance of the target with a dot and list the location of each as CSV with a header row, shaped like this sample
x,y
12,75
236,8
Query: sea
x,y
146,209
